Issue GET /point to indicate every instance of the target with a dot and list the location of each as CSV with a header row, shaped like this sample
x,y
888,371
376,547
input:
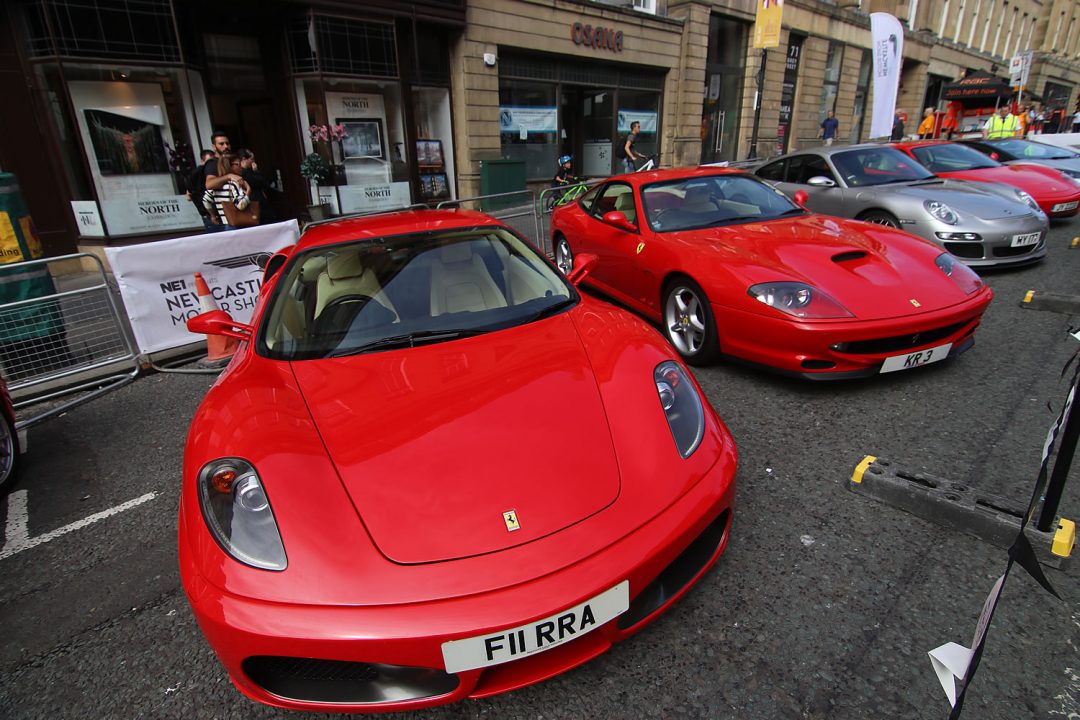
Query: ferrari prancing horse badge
x,y
511,519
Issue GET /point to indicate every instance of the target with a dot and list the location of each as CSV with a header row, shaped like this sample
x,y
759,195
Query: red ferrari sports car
x,y
727,264
369,519
1057,194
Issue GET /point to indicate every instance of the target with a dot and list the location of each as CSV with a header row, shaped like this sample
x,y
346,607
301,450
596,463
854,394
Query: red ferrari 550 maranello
x,y
369,518
728,265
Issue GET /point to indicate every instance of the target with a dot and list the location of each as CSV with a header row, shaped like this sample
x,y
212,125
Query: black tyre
x,y
880,217
688,322
9,453
564,256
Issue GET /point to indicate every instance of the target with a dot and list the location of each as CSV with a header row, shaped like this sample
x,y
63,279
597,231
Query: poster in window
x,y
125,145
429,152
364,138
434,186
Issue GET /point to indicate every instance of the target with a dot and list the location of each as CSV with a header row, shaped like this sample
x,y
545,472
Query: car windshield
x,y
1035,150
868,166
711,201
406,290
951,157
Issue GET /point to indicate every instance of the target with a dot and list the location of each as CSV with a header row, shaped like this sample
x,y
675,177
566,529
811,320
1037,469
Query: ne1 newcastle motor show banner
x,y
887,37
157,280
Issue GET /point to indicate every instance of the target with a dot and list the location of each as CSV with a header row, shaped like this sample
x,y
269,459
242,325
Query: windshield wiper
x,y
549,310
407,340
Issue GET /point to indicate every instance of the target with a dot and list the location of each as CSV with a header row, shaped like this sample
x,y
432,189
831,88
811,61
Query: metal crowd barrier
x,y
517,209
57,343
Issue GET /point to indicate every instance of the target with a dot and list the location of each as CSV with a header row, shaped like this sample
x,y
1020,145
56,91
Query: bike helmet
x,y
565,159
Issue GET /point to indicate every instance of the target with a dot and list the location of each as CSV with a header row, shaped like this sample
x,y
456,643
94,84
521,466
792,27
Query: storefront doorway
x,y
587,115
724,72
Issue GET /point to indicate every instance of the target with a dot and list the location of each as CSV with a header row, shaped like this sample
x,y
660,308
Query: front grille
x,y
677,575
971,251
1005,251
898,342
340,681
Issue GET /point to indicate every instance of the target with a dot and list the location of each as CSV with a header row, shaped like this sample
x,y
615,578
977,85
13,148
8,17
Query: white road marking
x,y
18,534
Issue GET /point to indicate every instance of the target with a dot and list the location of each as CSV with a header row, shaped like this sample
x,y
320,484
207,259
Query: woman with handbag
x,y
230,203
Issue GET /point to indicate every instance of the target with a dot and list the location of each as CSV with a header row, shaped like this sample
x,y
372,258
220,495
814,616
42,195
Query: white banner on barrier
x,y
158,287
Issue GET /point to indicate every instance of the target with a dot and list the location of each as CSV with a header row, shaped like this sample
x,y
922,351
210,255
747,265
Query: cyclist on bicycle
x,y
564,176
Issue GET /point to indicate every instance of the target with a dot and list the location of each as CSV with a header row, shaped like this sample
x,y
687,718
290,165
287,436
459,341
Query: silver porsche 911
x,y
983,224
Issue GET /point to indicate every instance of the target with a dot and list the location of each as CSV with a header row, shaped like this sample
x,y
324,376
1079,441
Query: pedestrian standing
x,y
259,188
1076,121
1002,125
926,127
229,190
829,126
897,127
197,182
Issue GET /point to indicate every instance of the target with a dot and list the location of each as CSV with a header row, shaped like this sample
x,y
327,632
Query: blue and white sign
x,y
647,118
523,120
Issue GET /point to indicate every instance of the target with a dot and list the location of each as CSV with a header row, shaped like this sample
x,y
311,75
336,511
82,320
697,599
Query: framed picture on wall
x,y
429,152
434,186
364,138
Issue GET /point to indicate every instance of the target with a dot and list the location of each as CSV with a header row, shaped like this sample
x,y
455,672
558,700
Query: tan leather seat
x,y
625,204
345,275
460,282
699,200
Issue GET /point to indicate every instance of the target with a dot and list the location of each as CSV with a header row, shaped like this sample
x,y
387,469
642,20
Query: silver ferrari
x,y
983,224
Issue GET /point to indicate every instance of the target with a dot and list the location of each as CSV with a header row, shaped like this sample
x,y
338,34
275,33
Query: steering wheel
x,y
337,315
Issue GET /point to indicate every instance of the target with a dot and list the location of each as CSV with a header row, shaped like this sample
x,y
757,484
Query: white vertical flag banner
x,y
887,36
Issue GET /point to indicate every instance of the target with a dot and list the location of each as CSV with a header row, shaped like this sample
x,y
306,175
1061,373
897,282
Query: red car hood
x,y
1035,180
872,271
510,421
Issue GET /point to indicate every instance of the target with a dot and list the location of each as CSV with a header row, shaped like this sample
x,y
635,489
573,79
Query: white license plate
x,y
1062,207
1021,240
515,643
915,359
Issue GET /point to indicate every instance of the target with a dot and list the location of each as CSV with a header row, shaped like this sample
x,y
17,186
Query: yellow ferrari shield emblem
x,y
511,519
640,247
915,302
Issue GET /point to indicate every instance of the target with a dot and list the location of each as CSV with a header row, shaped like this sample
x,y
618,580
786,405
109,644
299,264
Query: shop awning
x,y
978,88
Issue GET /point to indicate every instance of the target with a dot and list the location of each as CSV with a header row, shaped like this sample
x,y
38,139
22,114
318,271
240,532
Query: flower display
x,y
326,133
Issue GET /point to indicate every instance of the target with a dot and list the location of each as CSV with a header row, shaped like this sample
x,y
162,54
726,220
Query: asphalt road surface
x,y
824,605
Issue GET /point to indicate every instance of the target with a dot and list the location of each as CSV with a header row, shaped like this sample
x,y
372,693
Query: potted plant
x,y
316,170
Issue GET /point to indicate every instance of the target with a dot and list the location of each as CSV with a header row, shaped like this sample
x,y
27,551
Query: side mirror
x,y
583,265
994,156
219,322
801,197
821,181
619,220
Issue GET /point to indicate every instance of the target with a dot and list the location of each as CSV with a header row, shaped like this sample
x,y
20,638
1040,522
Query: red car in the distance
x,y
727,265
1057,194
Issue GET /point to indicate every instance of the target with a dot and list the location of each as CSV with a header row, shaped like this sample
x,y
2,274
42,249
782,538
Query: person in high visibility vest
x,y
1002,125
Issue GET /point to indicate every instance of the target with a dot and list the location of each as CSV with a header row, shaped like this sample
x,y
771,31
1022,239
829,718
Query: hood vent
x,y
848,256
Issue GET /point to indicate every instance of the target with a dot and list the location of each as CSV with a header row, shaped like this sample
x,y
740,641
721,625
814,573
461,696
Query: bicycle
x,y
651,163
570,192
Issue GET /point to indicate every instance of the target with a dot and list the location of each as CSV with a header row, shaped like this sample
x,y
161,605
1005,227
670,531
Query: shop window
x,y
528,126
434,144
862,88
642,107
367,166
831,85
340,46
113,29
132,131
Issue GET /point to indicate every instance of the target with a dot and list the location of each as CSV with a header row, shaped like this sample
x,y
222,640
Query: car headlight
x,y
237,513
682,406
1073,175
941,211
798,299
1025,198
961,274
